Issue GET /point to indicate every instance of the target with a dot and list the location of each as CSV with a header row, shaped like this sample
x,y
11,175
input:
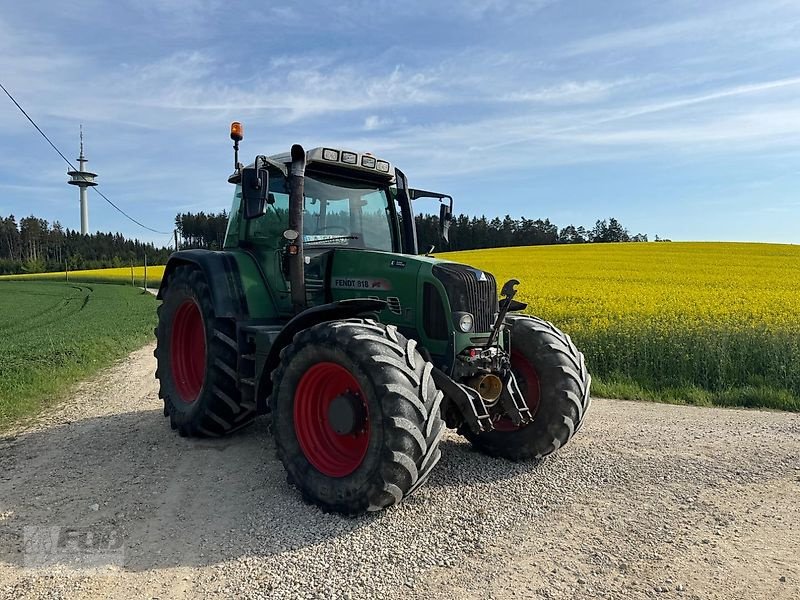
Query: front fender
x,y
334,311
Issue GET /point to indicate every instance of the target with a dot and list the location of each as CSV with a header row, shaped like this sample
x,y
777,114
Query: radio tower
x,y
83,179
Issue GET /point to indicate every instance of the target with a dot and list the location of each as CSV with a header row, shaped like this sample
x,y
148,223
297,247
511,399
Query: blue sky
x,y
680,118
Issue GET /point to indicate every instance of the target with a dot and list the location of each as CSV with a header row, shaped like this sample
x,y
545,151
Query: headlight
x,y
383,166
465,322
368,161
329,154
349,157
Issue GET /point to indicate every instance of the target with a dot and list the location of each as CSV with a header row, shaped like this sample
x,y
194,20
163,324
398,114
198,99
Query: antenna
x,y
83,179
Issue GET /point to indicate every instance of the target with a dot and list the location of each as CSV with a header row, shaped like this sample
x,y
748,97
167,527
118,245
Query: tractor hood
x,y
421,292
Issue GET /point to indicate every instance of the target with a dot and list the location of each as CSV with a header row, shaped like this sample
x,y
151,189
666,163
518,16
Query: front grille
x,y
470,290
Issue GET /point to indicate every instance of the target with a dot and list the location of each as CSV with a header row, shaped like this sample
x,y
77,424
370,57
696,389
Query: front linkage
x,y
492,391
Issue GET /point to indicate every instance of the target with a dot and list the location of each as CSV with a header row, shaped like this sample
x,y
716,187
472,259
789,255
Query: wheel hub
x,y
331,419
346,414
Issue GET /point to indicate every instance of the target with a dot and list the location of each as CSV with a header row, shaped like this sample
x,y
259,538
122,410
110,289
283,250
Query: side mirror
x,y
255,189
445,217
445,210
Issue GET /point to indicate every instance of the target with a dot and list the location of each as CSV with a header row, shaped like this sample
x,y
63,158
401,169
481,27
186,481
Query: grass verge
x,y
751,396
55,334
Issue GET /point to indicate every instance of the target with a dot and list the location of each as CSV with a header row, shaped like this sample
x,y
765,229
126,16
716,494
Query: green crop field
x,y
55,334
703,323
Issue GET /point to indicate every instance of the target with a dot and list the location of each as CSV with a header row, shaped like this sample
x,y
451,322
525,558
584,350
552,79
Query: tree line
x,y
201,230
471,233
33,245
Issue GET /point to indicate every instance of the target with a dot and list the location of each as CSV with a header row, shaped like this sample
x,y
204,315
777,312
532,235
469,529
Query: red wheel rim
x,y
188,351
331,454
528,381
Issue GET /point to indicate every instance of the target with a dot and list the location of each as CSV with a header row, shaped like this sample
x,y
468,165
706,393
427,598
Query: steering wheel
x,y
343,229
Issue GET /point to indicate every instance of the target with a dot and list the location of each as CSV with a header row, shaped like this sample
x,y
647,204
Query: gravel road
x,y
647,501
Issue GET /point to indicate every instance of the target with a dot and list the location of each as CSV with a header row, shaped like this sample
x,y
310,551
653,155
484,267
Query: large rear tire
x,y
355,415
197,354
555,383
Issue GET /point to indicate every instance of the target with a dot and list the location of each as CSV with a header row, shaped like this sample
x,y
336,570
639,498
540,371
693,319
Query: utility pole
x,y
145,273
176,240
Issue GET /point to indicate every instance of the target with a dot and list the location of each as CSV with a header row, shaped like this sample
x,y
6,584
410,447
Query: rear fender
x,y
222,275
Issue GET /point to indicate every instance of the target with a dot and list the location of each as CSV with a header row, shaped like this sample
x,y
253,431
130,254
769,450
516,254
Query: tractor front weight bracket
x,y
513,402
469,402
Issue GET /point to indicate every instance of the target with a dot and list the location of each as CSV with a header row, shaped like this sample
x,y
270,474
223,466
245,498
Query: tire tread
x,y
409,401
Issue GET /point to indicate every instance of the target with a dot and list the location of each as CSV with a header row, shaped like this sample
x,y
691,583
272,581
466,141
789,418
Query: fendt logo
x,y
361,283
79,547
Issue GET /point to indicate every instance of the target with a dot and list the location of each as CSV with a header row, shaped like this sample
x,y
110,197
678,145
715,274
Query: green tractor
x,y
320,311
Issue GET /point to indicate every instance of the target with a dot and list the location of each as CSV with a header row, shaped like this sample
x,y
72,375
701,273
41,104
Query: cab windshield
x,y
337,213
342,212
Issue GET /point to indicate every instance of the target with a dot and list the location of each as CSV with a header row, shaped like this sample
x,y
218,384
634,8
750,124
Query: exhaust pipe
x,y
297,175
488,386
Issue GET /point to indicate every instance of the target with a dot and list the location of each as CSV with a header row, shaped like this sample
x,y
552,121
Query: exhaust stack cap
x,y
298,160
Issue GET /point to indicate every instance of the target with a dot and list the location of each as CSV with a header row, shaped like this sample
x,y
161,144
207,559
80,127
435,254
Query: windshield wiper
x,y
331,239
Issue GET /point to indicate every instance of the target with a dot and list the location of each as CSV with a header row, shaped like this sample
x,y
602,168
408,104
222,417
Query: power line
x,y
66,160
170,240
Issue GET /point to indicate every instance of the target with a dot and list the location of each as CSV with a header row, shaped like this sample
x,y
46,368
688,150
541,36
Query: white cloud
x,y
478,9
373,122
734,22
588,121
470,10
570,92
190,83
739,90
182,18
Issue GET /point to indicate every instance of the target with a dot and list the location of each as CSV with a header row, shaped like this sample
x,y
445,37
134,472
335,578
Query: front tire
x,y
552,376
355,415
197,354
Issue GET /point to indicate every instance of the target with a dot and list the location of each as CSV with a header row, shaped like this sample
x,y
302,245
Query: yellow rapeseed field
x,y
697,322
121,275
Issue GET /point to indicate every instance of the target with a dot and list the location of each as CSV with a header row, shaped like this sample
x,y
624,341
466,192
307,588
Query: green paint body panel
x,y
261,302
397,278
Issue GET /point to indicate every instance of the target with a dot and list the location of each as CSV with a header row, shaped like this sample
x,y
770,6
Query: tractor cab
x,y
340,210
351,202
